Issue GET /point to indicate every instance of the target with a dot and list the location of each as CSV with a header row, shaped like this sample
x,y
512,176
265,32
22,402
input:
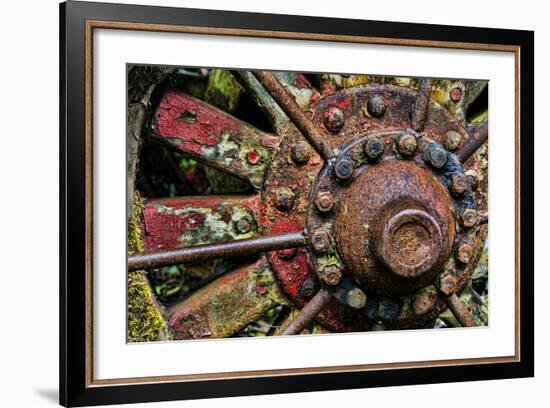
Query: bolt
x,y
333,119
469,217
344,169
243,225
320,241
459,183
447,284
435,154
473,179
284,198
455,94
356,298
288,253
324,201
374,148
376,106
308,288
300,152
406,144
331,275
423,303
252,157
465,252
452,140
388,310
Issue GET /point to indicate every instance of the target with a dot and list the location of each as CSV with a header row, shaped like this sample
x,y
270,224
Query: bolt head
x,y
376,106
374,148
308,288
447,284
356,298
344,169
243,225
388,310
459,183
331,275
333,119
324,201
452,140
464,252
320,241
406,144
435,154
455,94
424,303
300,152
469,217
284,198
287,254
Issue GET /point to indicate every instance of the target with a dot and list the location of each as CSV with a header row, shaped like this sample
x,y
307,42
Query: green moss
x,y
223,90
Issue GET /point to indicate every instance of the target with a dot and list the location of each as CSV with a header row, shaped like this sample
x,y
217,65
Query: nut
x,y
459,183
447,284
376,106
300,152
356,298
344,169
284,198
374,148
469,217
331,275
308,288
333,119
406,144
465,252
455,94
388,310
320,241
435,154
243,225
452,140
324,201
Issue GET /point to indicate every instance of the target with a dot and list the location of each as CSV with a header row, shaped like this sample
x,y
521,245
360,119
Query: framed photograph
x,y
256,204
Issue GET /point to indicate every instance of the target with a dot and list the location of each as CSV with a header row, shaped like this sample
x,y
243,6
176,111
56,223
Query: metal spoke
x,y
308,312
460,311
199,253
421,105
214,137
478,135
302,121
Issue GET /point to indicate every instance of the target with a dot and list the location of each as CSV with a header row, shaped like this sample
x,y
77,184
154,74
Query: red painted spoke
x,y
198,253
171,223
228,304
214,137
477,135
302,121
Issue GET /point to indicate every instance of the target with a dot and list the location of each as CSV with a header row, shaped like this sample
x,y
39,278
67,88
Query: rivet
x,y
331,275
333,119
376,106
455,94
374,148
324,201
406,144
344,169
452,140
252,157
284,198
300,152
435,154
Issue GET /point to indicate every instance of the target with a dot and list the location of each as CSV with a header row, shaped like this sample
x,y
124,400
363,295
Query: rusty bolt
x,y
459,183
324,201
376,106
447,284
331,275
333,119
473,179
452,140
344,169
423,303
374,148
469,217
253,157
406,144
284,198
388,310
243,225
308,288
301,152
320,241
356,298
455,94
288,253
465,252
435,154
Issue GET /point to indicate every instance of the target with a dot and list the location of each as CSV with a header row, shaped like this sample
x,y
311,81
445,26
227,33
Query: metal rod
x,y
421,105
199,253
478,135
289,105
460,311
308,313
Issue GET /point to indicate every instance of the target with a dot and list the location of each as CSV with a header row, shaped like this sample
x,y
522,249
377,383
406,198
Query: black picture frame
x,y
76,389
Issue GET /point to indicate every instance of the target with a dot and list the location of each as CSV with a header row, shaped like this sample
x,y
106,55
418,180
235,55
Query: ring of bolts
x,y
405,145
